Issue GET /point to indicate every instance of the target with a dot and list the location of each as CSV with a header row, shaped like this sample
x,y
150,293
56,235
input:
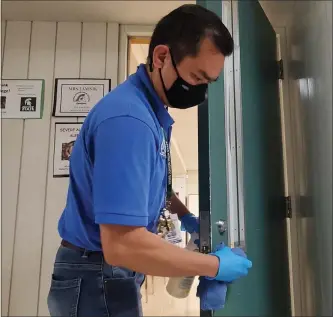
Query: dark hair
x,y
183,30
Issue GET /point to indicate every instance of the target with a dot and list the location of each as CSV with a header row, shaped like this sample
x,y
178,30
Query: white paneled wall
x,y
67,64
32,199
15,65
192,182
32,178
3,32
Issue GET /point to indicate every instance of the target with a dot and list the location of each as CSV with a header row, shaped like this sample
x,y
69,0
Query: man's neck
x,y
156,82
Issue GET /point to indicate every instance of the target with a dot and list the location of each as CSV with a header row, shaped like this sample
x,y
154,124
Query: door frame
x,y
232,77
234,131
213,189
125,31
233,139
289,161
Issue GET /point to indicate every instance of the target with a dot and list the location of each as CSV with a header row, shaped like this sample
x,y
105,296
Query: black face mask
x,y
183,95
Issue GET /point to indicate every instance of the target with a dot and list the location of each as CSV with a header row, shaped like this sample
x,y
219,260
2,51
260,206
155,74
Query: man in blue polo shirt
x,y
120,178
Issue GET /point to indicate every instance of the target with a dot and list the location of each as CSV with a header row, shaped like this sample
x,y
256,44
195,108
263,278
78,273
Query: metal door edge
x,y
239,124
230,133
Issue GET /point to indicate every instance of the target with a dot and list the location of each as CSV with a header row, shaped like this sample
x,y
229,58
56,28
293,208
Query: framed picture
x,y
65,135
76,97
22,98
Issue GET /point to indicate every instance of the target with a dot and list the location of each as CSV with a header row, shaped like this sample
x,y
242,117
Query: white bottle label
x,y
174,235
186,283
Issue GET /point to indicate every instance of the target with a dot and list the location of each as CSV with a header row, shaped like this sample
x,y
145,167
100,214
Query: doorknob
x,y
221,226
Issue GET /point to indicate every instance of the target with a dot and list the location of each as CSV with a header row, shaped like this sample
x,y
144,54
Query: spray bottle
x,y
180,287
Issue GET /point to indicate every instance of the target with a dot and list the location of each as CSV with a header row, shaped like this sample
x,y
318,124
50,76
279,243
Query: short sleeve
x,y
124,153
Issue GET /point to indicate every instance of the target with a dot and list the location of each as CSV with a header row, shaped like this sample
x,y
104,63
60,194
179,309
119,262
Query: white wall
x,y
310,87
133,63
32,199
192,183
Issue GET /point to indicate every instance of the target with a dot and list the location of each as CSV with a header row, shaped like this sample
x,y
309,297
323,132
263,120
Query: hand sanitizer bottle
x,y
180,287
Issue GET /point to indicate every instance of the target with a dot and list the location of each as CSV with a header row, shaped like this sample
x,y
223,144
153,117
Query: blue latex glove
x,y
213,293
232,266
239,252
189,223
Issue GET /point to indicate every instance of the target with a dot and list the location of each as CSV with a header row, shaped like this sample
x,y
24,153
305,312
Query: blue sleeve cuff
x,y
121,219
187,215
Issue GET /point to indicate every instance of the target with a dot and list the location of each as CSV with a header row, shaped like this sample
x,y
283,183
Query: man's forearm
x,y
177,207
144,252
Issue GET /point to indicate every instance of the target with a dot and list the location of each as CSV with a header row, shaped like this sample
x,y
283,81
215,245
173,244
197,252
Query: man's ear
x,y
159,55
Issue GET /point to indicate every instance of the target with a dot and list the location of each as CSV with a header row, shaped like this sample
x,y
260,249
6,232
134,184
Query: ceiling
x,y
279,12
126,12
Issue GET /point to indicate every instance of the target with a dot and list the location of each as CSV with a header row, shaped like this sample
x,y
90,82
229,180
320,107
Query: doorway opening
x,y
184,155
137,52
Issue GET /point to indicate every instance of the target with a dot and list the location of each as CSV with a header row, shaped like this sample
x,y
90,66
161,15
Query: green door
x,y
258,205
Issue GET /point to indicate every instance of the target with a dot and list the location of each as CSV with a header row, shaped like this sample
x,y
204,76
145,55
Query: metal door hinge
x,y
289,210
280,69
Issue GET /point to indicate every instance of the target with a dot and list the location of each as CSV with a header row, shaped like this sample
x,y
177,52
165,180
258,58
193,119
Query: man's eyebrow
x,y
204,74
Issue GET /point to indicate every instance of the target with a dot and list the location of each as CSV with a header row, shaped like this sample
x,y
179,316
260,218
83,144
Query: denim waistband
x,y
79,260
67,255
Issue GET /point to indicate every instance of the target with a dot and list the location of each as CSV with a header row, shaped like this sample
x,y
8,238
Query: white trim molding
x,y
125,32
289,175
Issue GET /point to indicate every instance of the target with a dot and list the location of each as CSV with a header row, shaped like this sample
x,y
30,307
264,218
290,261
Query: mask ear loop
x,y
161,77
174,63
160,71
150,64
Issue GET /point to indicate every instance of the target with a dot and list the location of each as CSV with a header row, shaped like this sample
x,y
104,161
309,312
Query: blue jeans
x,y
84,285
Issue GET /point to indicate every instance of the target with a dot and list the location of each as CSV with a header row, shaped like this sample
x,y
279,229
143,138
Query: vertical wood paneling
x,y
67,65
3,33
93,50
31,201
4,300
112,53
16,55
52,50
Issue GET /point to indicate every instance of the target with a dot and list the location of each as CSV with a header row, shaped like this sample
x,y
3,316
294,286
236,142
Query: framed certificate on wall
x,y
22,98
65,135
76,97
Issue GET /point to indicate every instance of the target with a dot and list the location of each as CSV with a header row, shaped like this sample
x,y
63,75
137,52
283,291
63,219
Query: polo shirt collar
x,y
162,113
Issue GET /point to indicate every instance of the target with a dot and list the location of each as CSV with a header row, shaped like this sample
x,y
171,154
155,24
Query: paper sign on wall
x,y
64,139
22,98
76,97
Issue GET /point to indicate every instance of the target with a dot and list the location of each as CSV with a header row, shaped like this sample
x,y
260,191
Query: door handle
x,y
221,226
